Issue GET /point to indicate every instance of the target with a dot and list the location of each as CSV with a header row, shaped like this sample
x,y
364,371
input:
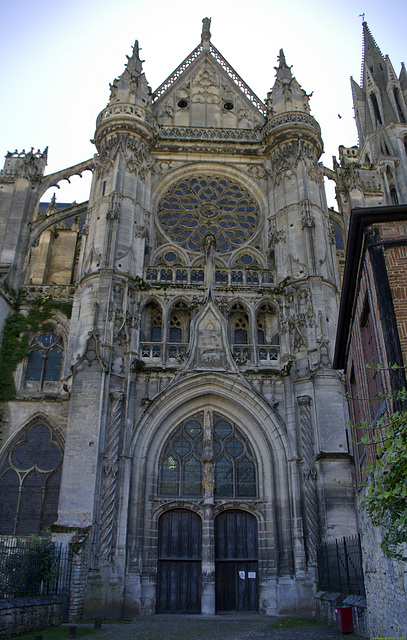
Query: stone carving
x,y
257,171
309,475
285,158
110,469
203,133
307,218
207,448
206,25
275,236
113,213
208,481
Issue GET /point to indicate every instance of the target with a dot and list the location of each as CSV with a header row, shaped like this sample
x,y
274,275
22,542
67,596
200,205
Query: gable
x,y
205,94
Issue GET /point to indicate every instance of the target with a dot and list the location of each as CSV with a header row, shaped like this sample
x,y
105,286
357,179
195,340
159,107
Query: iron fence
x,y
31,567
340,566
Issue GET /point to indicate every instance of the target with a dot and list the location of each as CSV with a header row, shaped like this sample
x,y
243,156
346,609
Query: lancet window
x,y
239,324
267,325
152,323
179,323
30,477
231,458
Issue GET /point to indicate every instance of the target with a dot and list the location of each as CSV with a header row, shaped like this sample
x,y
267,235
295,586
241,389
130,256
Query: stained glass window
x,y
204,205
45,359
181,460
30,477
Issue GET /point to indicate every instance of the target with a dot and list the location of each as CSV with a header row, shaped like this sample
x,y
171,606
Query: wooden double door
x,y
179,575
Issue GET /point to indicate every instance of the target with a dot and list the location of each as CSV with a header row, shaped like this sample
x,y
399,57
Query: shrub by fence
x,y
31,567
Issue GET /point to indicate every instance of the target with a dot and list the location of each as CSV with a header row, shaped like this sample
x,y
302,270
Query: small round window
x,y
228,106
182,104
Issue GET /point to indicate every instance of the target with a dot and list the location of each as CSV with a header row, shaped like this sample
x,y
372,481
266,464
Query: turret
x,y
294,144
20,182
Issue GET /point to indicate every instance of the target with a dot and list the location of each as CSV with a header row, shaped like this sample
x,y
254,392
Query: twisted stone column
x,y
110,469
309,475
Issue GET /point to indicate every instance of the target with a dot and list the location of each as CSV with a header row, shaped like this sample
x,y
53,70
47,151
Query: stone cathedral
x,y
170,410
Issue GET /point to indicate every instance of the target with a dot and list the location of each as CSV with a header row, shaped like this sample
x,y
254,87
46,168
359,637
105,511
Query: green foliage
x,y
384,494
15,342
24,568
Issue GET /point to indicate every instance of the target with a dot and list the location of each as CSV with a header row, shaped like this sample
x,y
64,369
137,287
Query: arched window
x,y
338,235
179,323
181,460
45,359
30,478
398,104
239,324
393,195
267,325
376,109
152,323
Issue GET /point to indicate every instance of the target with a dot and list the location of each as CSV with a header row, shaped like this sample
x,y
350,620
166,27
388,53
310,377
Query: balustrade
x,y
223,277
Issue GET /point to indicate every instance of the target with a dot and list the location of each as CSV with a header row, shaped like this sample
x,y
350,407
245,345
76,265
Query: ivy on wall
x,y
17,329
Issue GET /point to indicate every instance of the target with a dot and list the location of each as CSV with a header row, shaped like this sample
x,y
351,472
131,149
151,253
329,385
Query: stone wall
x,y
385,584
5,309
23,615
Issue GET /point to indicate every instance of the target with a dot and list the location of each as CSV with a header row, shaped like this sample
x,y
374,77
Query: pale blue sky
x,y
58,57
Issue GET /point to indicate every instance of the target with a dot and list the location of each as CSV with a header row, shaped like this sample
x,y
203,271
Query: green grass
x,y
286,623
56,633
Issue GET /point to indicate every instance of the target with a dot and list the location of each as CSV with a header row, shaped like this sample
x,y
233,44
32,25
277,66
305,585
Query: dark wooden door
x,y
179,562
236,562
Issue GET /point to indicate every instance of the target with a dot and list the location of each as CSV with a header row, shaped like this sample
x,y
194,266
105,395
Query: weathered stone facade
x,y
197,409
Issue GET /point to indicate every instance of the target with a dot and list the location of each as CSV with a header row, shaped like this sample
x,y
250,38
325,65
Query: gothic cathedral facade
x,y
172,412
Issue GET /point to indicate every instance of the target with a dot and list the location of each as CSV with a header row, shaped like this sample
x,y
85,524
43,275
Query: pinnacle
x,y
134,64
283,70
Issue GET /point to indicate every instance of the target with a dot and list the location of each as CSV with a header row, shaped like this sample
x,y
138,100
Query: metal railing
x,y
340,568
31,567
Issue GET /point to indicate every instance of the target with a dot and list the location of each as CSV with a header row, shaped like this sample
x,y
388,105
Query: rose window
x,y
198,206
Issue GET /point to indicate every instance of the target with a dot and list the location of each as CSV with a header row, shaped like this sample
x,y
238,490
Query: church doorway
x,y
179,562
236,564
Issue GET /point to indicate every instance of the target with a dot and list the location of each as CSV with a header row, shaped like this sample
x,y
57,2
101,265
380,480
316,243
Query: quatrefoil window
x,y
198,206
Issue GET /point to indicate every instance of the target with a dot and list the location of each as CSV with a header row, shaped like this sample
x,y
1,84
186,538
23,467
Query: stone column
x,y
110,469
309,476
208,538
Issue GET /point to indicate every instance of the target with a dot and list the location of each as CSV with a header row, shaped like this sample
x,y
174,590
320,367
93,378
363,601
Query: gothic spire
x,y
373,61
286,94
131,87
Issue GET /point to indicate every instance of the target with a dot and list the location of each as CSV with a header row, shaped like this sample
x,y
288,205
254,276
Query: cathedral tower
x,y
375,172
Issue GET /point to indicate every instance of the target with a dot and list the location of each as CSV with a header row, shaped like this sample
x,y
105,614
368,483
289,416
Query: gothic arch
x,y
198,168
260,424
30,476
275,506
159,255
